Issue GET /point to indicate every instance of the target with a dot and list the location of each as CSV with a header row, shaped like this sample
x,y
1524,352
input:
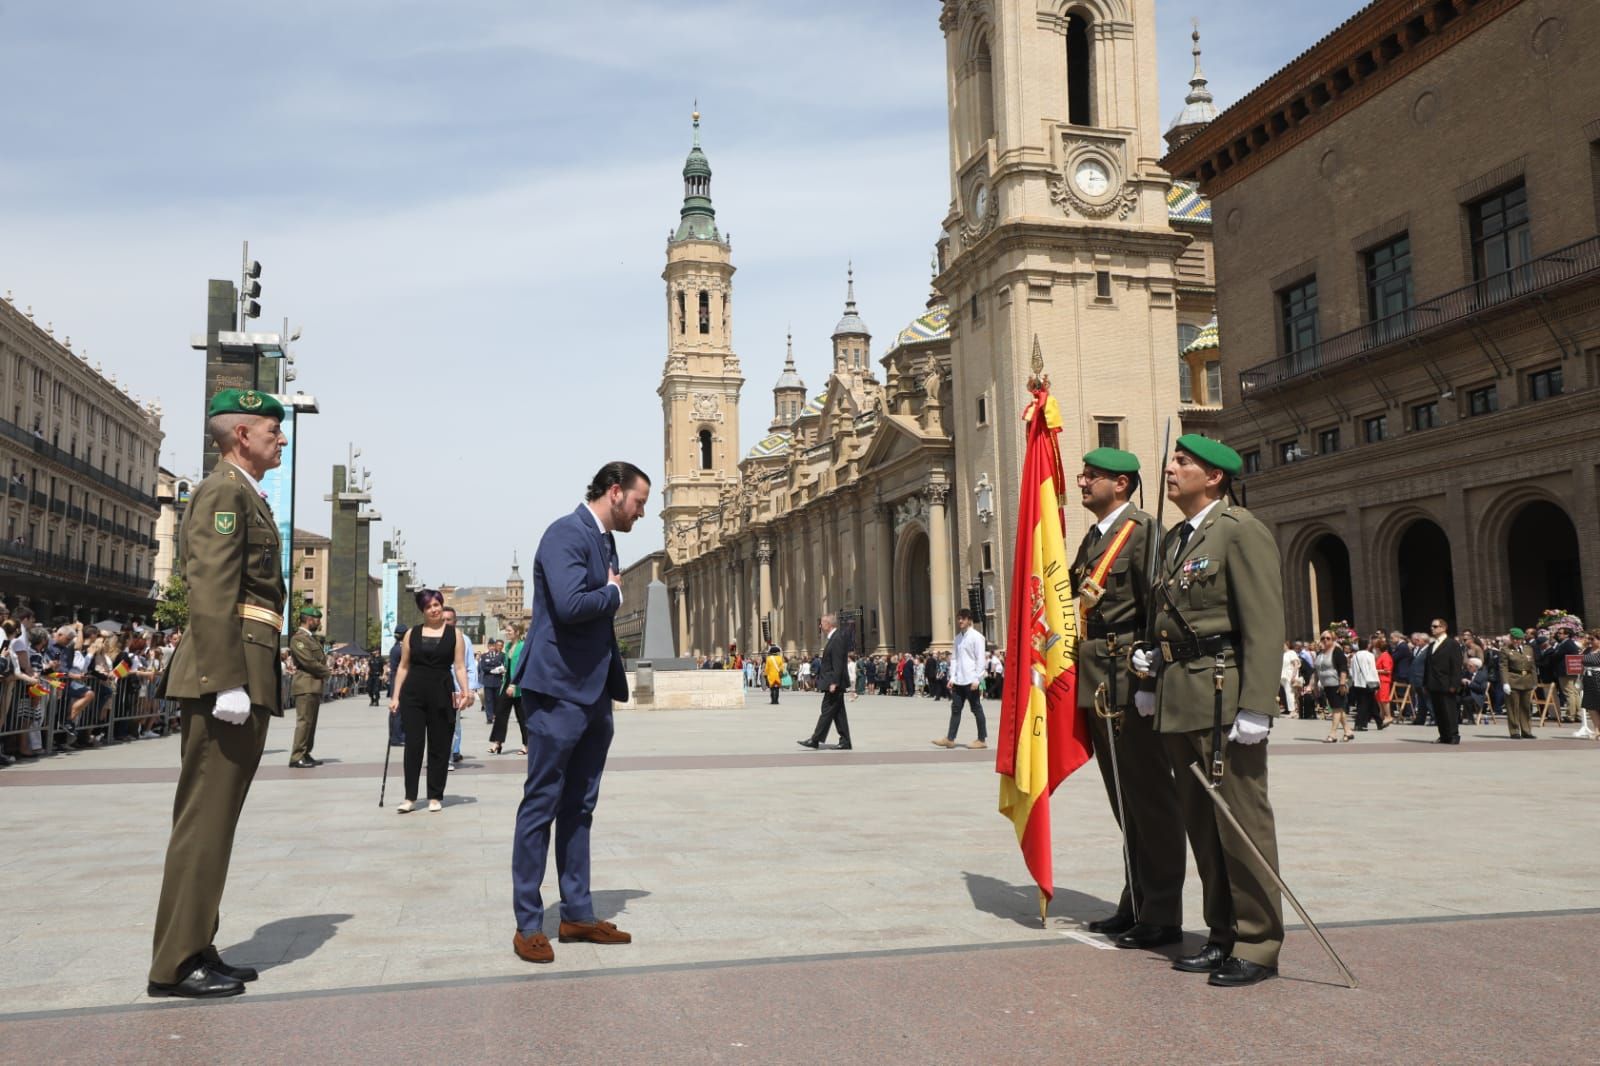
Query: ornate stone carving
x,y
706,408
975,223
909,510
938,493
1065,196
764,553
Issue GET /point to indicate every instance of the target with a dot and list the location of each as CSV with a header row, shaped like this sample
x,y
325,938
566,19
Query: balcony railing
x,y
65,567
1548,271
50,451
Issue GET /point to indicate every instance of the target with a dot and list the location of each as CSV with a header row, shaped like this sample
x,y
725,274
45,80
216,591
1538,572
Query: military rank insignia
x,y
250,401
225,522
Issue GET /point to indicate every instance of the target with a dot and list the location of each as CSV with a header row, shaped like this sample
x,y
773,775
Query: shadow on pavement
x,y
608,903
304,935
1020,903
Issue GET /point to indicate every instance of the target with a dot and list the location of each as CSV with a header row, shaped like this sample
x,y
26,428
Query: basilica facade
x,y
885,493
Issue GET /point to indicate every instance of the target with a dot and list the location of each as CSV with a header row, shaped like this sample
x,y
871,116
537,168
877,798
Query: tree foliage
x,y
173,610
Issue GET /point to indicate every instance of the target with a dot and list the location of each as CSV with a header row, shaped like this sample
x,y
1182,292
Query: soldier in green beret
x,y
224,677
311,671
1522,677
1219,615
1110,578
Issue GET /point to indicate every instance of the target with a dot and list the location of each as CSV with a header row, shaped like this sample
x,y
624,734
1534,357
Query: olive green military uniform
x,y
1153,826
1227,584
229,544
311,671
1522,674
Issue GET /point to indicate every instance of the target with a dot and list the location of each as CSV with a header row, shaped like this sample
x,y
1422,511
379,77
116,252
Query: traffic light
x,y
249,289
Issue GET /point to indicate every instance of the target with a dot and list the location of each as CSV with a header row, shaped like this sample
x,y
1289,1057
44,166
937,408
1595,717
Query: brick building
x,y
1408,280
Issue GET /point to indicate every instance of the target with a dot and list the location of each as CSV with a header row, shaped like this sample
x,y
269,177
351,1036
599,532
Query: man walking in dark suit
x,y
1442,679
571,671
831,677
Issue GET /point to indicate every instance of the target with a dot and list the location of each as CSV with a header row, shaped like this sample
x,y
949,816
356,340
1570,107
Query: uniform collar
x,y
1105,524
1200,515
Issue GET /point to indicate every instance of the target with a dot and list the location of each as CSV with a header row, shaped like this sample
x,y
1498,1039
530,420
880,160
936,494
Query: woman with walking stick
x,y
424,698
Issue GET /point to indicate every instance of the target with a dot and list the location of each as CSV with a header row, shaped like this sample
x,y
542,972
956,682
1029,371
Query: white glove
x,y
1141,661
1145,703
1506,688
1250,728
233,706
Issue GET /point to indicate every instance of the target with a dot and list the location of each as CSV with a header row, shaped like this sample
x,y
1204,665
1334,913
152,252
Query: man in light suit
x,y
571,671
831,676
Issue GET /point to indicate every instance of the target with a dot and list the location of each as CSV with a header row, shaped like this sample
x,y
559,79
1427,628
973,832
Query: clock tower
x,y
700,384
1056,236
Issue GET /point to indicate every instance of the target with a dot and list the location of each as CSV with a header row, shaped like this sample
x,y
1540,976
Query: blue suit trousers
x,y
567,746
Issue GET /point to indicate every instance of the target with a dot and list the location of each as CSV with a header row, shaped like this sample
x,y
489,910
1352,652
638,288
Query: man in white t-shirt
x,y
966,681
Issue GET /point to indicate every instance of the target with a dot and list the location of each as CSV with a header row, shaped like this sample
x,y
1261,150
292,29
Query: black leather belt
x,y
1186,649
1100,631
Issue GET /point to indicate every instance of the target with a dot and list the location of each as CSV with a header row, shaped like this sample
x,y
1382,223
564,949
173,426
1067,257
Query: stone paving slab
x,y
718,842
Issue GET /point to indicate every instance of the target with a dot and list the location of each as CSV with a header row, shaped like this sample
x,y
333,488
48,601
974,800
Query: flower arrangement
x,y
1344,631
1558,618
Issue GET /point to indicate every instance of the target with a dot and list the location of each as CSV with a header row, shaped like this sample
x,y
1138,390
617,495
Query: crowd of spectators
x,y
904,674
1355,682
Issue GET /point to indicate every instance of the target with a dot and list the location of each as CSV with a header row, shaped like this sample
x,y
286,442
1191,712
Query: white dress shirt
x,y
968,658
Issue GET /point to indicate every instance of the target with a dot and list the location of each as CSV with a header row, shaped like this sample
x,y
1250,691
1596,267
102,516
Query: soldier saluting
x,y
224,677
1111,581
1219,625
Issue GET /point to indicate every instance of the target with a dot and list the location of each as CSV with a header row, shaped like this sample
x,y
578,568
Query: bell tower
x,y
701,380
1057,231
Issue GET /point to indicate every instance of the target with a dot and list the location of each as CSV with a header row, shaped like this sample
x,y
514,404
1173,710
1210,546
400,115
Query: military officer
x,y
311,671
1219,624
1522,675
225,678
1110,578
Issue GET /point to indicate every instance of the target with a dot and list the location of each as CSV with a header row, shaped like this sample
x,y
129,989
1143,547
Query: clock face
x,y
980,201
1091,178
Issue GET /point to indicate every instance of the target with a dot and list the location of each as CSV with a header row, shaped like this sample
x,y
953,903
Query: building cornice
x,y
1380,44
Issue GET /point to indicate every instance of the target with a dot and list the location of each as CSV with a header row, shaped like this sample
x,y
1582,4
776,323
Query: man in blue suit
x,y
570,673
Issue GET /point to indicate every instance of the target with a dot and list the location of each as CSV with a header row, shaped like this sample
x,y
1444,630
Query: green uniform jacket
x,y
1228,581
310,663
1521,673
231,555
1123,607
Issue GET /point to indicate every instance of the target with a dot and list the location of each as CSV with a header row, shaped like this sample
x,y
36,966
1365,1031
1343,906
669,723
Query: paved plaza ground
x,y
805,907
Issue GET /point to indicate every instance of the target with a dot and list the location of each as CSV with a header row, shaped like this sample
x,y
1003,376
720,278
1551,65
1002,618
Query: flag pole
x,y
1044,906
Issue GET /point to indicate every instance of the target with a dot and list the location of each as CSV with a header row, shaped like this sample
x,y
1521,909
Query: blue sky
x,y
466,207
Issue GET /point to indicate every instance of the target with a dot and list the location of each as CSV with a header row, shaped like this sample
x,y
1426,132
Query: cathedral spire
x,y
698,218
1199,108
851,322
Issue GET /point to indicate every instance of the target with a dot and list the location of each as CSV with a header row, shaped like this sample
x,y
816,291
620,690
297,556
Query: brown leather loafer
x,y
593,932
535,948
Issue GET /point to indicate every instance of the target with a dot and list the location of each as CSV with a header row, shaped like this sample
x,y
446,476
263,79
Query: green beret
x,y
1112,461
1515,632
311,612
1212,453
245,402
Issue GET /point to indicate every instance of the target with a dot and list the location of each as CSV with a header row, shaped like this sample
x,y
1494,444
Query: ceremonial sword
x,y
1263,866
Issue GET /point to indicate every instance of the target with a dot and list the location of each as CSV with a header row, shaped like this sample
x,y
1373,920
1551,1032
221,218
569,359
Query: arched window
x,y
1080,72
705,311
985,92
681,314
705,449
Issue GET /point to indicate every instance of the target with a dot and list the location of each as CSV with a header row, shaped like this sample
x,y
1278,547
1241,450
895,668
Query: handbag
x,y
786,681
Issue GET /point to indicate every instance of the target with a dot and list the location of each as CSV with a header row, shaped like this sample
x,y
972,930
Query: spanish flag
x,y
1043,735
121,670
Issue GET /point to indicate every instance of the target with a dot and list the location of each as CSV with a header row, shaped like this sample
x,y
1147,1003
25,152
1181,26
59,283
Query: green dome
x,y
698,216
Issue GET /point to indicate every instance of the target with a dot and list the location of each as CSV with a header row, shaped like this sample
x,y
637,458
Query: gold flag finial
x,y
1038,379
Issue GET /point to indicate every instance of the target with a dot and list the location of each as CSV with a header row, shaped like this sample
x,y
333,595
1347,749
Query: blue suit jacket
x,y
571,651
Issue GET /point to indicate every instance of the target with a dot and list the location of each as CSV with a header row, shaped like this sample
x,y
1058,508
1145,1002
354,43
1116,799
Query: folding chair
x,y
1545,703
1399,696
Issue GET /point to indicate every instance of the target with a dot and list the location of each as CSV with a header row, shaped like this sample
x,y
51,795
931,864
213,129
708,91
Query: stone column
x,y
764,558
884,516
940,578
679,591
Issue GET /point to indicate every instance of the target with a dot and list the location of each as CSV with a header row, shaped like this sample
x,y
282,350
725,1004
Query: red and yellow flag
x,y
1043,735
121,670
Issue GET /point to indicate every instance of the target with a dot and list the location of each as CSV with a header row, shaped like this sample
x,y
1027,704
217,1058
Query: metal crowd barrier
x,y
117,709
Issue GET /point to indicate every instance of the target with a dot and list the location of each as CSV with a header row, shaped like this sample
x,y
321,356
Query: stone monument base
x,y
683,690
